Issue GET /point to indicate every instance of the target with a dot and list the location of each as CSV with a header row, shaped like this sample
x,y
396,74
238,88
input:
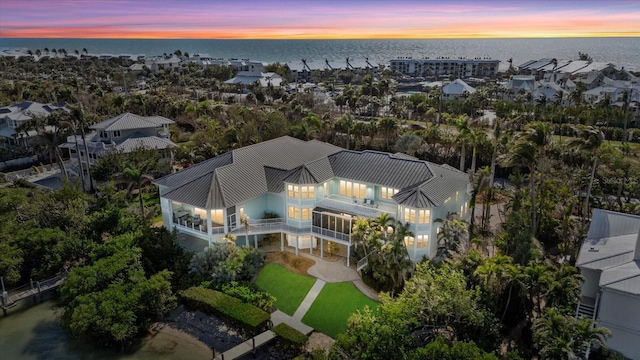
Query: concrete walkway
x,y
279,317
247,346
309,299
331,271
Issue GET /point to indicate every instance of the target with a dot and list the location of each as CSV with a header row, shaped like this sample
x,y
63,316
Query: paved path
x,y
309,299
279,317
331,271
247,346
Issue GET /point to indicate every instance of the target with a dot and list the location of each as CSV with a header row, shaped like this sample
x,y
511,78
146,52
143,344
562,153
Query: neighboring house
x,y
14,121
518,83
125,133
457,89
610,263
245,78
159,64
310,193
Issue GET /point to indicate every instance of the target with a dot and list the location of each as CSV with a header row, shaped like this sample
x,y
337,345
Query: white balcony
x,y
356,206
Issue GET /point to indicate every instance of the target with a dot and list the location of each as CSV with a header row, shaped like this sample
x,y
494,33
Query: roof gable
x,y
128,121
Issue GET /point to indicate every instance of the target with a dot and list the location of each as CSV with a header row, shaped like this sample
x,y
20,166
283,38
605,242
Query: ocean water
x,y
620,51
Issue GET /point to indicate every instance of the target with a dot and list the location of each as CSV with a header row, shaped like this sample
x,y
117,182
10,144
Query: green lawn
x,y
288,288
333,306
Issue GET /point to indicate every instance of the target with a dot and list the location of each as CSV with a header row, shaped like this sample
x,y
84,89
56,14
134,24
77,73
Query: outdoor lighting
x,y
389,230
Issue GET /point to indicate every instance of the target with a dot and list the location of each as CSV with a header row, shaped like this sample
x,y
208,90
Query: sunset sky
x,y
311,19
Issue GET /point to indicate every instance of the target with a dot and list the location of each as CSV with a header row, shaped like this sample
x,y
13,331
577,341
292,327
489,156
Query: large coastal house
x,y
310,193
125,133
610,263
15,118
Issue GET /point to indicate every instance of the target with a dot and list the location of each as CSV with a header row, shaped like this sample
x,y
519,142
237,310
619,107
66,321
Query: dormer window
x,y
116,133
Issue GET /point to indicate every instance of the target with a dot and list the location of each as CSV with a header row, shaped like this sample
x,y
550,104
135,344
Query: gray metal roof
x,y
274,179
435,191
138,139
613,247
300,175
254,170
195,171
379,168
128,121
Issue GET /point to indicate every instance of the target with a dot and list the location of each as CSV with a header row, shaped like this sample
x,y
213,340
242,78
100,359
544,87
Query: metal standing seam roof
x,y
379,168
611,247
137,140
254,170
434,191
458,87
128,121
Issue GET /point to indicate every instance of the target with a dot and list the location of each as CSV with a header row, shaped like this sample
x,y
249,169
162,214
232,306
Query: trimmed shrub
x,y
214,302
249,293
290,335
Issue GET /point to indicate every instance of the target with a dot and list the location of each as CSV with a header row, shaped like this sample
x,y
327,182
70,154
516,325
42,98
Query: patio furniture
x,y
196,220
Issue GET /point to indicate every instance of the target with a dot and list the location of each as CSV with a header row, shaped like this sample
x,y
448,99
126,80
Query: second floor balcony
x,y
359,207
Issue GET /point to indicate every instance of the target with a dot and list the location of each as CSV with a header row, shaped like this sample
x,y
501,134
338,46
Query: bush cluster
x,y
289,334
249,293
214,302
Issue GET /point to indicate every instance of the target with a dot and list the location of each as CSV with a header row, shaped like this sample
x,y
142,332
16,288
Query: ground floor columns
x,y
281,241
321,248
297,245
255,240
348,255
209,226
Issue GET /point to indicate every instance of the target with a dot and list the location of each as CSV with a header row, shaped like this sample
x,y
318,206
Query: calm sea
x,y
620,51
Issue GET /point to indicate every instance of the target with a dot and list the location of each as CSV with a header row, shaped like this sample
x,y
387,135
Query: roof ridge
x,y
607,257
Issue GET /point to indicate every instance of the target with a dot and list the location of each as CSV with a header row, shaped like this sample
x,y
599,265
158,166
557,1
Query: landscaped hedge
x,y
290,334
214,302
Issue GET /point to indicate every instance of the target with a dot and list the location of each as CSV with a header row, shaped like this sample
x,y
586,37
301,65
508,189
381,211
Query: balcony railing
x,y
185,224
330,233
356,207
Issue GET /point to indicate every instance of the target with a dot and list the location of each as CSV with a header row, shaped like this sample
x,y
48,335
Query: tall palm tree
x,y
529,150
462,138
453,232
135,178
480,184
590,141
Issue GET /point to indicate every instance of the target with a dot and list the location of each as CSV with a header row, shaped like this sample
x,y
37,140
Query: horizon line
x,y
454,37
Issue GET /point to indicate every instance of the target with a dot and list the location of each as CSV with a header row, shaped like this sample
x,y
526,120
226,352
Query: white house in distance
x,y
125,133
14,117
313,192
245,78
610,262
457,89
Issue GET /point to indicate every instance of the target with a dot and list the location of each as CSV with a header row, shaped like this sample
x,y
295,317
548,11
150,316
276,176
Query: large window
x,y
410,215
306,213
387,193
420,241
294,212
305,192
293,191
308,192
353,189
217,216
424,216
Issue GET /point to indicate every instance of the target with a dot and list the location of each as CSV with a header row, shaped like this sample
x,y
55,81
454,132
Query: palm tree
x,y
382,223
480,183
84,50
561,337
389,126
135,179
590,141
46,50
346,125
453,232
244,220
137,172
462,138
529,150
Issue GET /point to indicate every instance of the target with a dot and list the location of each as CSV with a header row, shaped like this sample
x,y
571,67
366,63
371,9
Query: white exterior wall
x,y
590,287
620,313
